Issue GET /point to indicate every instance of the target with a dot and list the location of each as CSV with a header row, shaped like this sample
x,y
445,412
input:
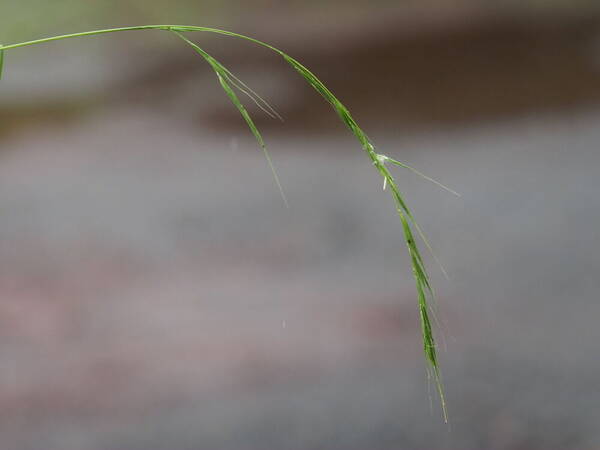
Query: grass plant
x,y
230,83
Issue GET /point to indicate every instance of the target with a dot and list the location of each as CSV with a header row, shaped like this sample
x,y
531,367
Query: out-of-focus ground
x,y
156,294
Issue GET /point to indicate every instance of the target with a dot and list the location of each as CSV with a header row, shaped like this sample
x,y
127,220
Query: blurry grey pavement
x,y
156,293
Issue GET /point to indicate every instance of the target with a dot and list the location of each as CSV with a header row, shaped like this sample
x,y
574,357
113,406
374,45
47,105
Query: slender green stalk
x,y
85,33
228,82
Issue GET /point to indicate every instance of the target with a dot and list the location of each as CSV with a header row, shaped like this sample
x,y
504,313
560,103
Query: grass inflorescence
x,y
230,83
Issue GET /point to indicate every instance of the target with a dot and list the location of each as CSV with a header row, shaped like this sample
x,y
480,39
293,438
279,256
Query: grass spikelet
x,y
224,77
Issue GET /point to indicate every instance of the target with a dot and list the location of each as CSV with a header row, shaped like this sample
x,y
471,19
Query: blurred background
x,y
156,294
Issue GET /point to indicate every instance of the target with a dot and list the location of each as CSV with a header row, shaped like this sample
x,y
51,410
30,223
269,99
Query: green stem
x,y
86,33
181,28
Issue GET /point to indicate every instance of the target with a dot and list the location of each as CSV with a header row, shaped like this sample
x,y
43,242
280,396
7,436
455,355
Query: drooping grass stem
x,y
228,82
